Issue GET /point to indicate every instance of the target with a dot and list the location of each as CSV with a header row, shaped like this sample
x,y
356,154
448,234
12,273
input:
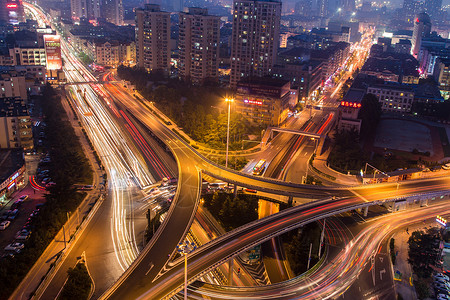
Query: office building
x,y
152,38
264,100
349,110
433,7
15,124
393,97
198,46
255,39
11,12
112,11
13,86
422,28
12,173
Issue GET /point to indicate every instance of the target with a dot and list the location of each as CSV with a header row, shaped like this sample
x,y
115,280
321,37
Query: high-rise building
x,y
322,7
112,11
152,38
256,30
11,11
198,45
422,28
348,5
410,9
433,7
89,9
303,8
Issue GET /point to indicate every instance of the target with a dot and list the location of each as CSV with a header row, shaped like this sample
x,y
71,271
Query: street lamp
x,y
184,249
229,100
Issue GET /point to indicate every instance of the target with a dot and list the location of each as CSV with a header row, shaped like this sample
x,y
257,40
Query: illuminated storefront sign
x,y
254,102
350,104
53,51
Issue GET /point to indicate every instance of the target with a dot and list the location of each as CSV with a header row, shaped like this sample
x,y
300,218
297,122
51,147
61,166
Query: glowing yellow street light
x,y
228,100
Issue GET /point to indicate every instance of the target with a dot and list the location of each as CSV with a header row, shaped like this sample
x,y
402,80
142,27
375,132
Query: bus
x,y
259,167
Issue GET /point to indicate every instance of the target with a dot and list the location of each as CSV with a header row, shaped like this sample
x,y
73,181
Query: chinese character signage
x,y
53,51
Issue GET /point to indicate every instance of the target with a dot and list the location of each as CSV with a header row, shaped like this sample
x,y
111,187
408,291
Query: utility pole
x,y
309,258
322,236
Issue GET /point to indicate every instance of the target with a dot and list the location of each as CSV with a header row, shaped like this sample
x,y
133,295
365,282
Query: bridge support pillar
x,y
366,210
290,200
424,202
230,273
235,190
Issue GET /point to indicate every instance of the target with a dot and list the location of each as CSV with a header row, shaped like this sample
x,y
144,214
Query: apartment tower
x,y
152,38
198,46
255,38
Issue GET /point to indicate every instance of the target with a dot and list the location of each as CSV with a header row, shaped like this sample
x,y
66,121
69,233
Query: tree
x,y
78,284
347,153
423,251
369,114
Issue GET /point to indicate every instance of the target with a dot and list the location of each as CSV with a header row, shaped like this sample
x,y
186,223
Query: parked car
x,y
23,197
23,236
13,214
443,297
440,275
4,225
5,215
14,247
442,281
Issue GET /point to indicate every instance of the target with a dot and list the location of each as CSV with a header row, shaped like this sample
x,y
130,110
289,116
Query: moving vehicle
x,y
258,169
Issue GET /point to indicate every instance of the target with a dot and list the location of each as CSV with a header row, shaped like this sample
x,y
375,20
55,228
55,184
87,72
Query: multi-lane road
x,y
153,274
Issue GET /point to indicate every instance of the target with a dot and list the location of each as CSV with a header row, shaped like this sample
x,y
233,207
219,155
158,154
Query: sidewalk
x,y
51,254
403,285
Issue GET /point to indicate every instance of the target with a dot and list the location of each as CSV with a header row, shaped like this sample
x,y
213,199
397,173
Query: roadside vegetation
x,y
232,212
423,253
297,243
68,166
200,110
78,284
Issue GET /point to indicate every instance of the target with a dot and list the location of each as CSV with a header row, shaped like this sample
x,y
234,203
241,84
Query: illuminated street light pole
x,y
229,100
184,249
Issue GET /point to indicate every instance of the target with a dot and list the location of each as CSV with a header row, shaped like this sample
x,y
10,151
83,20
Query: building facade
x,y
264,101
393,97
153,38
255,38
15,124
112,11
13,86
422,28
198,46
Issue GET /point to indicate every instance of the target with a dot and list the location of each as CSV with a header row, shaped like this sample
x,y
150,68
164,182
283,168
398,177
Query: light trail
x,y
126,170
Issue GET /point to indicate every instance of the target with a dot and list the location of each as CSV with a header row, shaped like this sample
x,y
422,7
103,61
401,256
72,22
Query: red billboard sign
x,y
53,51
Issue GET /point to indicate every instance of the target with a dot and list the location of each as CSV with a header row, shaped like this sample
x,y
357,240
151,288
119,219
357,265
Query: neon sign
x,y
11,5
254,102
441,220
350,104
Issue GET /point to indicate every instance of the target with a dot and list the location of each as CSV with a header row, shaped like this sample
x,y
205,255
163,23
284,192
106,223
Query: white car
x,y
4,225
23,197
14,247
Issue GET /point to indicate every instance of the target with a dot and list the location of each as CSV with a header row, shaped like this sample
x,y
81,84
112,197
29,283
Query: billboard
x,y
53,51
